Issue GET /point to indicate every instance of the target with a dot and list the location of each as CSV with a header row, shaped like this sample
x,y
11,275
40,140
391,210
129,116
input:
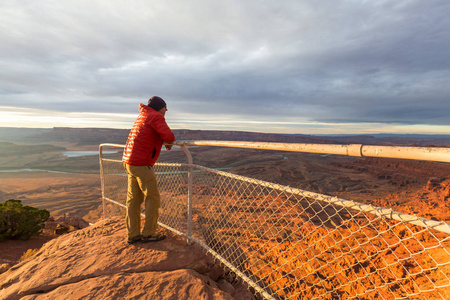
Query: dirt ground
x,y
73,194
58,193
12,250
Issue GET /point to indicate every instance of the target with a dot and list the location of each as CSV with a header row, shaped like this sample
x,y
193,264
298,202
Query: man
x,y
141,152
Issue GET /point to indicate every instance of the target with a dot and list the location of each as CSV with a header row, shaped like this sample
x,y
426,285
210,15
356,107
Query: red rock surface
x,y
97,263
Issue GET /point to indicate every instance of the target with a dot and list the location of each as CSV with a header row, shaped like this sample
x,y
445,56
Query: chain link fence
x,y
287,243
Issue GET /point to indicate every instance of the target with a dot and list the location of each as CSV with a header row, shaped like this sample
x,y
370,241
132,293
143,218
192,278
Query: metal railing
x,y
288,243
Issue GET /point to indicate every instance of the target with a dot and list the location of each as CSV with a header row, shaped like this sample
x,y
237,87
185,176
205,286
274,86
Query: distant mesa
x,y
95,136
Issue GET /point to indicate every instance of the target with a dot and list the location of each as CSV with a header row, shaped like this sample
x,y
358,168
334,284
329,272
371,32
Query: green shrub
x,y
20,222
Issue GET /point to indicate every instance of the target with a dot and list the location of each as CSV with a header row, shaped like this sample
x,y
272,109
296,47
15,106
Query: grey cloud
x,y
288,59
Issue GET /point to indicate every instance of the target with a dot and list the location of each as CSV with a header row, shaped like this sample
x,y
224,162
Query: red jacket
x,y
146,138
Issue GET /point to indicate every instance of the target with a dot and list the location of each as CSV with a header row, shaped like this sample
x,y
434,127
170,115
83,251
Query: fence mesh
x,y
295,244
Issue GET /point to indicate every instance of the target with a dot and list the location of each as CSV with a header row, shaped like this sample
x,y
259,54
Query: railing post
x,y
190,179
102,179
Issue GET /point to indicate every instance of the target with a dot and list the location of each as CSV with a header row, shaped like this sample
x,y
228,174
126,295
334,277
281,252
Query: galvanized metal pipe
x,y
438,154
190,180
102,178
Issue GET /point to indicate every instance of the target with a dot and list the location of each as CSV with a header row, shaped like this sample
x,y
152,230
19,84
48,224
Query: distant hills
x,y
393,139
10,149
14,133
95,136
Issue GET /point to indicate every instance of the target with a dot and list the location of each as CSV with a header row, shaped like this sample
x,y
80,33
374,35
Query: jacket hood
x,y
143,107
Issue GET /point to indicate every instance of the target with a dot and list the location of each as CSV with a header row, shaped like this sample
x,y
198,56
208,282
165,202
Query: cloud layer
x,y
327,62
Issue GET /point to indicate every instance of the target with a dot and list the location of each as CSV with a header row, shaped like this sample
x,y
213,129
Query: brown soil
x,y
12,250
74,194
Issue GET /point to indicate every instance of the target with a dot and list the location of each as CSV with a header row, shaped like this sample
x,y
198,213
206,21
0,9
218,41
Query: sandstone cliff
x,y
97,263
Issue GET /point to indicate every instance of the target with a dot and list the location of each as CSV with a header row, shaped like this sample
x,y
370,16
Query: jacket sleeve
x,y
161,127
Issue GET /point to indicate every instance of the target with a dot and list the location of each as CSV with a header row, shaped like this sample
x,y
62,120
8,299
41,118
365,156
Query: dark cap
x,y
156,103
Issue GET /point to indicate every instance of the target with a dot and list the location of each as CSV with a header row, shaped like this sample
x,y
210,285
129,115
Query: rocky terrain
x,y
97,263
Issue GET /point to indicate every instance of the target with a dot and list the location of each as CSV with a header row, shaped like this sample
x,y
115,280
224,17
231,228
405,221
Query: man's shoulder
x,y
155,116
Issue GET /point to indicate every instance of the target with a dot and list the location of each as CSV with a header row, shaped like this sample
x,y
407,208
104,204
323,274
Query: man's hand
x,y
168,146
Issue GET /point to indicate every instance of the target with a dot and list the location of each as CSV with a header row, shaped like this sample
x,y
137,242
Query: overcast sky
x,y
324,66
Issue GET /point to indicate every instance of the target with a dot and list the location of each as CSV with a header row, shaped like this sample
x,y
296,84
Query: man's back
x,y
146,138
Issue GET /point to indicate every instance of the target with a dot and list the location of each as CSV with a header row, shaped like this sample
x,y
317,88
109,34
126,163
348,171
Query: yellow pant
x,y
142,187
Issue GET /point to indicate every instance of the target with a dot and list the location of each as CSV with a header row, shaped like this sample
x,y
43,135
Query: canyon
x,y
412,187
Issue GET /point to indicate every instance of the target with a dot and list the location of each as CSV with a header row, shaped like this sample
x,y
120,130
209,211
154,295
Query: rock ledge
x,y
97,263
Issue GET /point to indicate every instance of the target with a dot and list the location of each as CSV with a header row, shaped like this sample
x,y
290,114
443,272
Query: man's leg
x,y
148,185
135,198
152,202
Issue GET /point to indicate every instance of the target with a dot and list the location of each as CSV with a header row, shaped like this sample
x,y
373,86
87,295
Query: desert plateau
x,y
34,169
